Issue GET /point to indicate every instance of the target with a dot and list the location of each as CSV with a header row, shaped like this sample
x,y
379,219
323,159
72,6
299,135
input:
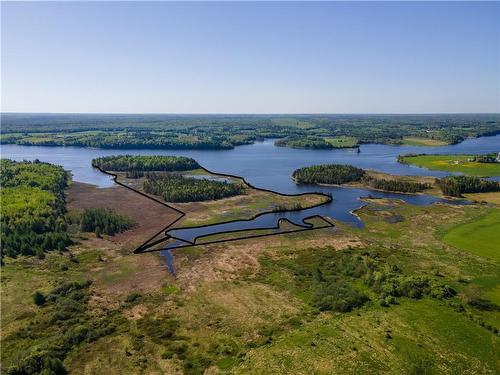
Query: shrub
x,y
39,299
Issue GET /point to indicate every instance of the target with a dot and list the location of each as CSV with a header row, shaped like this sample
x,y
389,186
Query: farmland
x,y
454,163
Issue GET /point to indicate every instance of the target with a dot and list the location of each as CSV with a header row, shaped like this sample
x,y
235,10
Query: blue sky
x,y
395,57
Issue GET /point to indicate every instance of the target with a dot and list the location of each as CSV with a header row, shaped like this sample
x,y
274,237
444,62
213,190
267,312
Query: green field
x,y
454,163
418,141
479,237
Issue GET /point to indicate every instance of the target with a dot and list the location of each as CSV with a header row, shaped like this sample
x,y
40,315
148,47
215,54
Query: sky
x,y
250,57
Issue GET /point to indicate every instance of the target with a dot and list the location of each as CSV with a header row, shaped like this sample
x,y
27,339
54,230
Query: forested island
x,y
227,131
338,174
130,163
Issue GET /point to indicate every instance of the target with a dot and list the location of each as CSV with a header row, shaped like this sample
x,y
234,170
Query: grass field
x,y
415,337
479,237
455,163
417,141
493,197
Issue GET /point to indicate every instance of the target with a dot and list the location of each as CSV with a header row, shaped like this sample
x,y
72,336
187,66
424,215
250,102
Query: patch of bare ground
x,y
136,312
219,262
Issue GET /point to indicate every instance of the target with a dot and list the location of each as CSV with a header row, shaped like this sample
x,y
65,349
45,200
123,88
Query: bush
x,y
338,296
39,299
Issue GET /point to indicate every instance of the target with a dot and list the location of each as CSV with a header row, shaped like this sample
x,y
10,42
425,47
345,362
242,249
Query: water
x,y
261,164
265,166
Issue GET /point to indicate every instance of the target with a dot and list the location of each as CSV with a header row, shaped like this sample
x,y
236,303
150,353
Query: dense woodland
x,y
103,221
176,188
33,208
455,186
328,174
396,185
129,163
227,131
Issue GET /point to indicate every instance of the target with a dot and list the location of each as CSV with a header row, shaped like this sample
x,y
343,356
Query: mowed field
x,y
480,237
417,141
455,163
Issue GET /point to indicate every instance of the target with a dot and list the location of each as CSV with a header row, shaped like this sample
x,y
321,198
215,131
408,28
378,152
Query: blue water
x,y
262,164
266,166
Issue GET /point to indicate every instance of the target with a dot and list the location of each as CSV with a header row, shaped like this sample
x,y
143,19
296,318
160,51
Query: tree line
x,y
339,174
33,208
227,131
176,188
304,142
455,186
129,163
396,185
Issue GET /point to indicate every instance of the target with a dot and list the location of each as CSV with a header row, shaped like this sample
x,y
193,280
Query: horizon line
x,y
248,113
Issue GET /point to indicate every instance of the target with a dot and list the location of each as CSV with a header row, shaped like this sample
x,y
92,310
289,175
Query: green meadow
x,y
418,141
480,237
454,163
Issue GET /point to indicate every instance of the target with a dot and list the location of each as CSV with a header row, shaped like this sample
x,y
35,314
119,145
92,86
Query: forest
x,y
228,131
176,188
455,186
33,208
397,185
328,174
129,163
103,221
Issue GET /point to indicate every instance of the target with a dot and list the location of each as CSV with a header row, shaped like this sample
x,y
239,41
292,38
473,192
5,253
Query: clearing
x,y
454,163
